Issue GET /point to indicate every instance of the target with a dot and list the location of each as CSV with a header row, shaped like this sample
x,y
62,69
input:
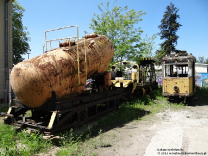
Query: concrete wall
x,y
2,43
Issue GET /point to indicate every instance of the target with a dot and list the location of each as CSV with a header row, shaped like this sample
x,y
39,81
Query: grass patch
x,y
21,143
71,144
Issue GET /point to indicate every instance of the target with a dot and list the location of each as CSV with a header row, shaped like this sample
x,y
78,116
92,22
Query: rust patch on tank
x,y
66,43
92,35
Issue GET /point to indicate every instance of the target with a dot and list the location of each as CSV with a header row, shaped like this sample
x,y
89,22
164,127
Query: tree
x,y
19,34
119,26
168,28
148,45
202,60
206,61
159,55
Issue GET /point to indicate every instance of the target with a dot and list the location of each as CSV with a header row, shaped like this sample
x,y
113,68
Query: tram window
x,y
183,70
176,70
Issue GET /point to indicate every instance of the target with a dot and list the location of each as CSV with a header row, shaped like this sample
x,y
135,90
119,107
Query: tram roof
x,y
147,60
178,55
169,58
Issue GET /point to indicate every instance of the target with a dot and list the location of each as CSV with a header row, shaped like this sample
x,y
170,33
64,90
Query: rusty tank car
x,y
179,75
53,85
60,70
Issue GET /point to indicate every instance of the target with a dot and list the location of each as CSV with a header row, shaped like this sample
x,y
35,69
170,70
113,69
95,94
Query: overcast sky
x,y
50,14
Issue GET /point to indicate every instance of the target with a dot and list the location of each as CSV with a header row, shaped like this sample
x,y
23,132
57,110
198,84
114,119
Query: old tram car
x,y
179,75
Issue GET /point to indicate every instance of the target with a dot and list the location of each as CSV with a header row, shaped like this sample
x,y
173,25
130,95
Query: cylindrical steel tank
x,y
33,80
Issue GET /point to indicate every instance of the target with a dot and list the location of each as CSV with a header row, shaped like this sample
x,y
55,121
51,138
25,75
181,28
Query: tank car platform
x,y
57,115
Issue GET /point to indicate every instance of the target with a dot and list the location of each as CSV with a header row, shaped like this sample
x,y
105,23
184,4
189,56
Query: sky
x,y
41,16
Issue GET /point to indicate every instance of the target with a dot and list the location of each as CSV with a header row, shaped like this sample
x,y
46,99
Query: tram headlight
x,y
176,88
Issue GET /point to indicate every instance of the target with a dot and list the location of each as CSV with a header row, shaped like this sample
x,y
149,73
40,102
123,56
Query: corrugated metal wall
x,y
4,102
5,93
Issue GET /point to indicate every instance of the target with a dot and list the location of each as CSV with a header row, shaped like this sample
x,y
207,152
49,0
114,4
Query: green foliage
x,y
119,26
19,33
159,55
21,143
206,61
168,28
70,144
149,45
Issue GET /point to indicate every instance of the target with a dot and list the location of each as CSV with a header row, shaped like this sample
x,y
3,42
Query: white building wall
x,y
201,68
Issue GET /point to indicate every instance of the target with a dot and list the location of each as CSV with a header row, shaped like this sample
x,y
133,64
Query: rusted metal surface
x,y
66,43
92,35
178,85
33,80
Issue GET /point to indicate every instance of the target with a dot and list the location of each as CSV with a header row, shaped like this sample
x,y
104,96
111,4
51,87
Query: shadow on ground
x,y
118,118
114,119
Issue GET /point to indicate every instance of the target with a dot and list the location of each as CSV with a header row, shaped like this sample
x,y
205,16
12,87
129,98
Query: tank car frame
x,y
71,112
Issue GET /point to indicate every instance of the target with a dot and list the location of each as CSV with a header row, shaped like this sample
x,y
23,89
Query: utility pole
x,y
43,47
28,55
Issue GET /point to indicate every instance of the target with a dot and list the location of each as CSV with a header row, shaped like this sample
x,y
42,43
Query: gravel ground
x,y
183,132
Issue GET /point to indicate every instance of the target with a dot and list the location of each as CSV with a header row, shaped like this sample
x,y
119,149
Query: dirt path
x,y
169,133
